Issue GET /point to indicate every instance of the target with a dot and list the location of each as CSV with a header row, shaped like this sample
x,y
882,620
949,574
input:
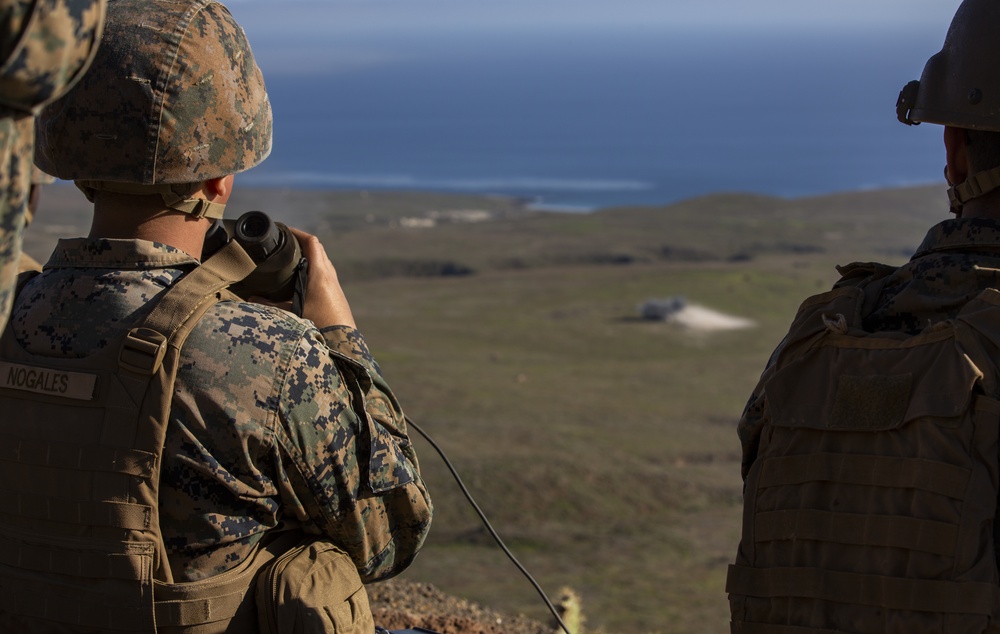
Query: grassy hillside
x,y
601,445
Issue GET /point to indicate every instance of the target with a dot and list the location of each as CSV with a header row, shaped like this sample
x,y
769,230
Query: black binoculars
x,y
272,247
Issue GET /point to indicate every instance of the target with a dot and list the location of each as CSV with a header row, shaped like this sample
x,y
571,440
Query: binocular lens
x,y
257,234
253,224
275,251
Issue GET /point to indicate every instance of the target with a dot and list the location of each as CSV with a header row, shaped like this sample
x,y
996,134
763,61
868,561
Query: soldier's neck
x,y
145,218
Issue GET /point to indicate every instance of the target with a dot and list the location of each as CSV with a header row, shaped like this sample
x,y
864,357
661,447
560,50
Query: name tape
x,y
75,385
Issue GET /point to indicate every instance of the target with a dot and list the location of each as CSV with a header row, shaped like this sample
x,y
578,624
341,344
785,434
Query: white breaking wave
x,y
402,181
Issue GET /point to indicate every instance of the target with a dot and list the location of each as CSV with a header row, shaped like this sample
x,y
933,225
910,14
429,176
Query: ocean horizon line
x,y
544,193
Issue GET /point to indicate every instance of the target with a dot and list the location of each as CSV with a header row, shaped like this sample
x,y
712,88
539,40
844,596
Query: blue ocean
x,y
591,118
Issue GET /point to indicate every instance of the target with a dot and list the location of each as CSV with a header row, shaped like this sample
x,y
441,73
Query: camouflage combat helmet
x,y
173,98
960,87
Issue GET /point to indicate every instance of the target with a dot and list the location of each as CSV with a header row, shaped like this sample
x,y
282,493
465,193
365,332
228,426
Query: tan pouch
x,y
313,588
216,605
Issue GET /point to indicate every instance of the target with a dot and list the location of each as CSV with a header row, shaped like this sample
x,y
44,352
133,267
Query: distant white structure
x,y
434,218
678,312
417,223
462,215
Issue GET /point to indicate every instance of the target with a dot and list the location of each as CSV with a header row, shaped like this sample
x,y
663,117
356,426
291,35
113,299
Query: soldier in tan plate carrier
x,y
45,47
870,446
174,458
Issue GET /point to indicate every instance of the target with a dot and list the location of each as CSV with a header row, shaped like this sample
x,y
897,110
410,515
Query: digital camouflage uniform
x,y
272,421
45,46
957,260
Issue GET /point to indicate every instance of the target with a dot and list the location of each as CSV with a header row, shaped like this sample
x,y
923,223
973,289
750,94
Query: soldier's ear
x,y
956,145
218,190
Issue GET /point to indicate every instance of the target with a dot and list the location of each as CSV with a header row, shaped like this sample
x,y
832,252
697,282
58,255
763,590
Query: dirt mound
x,y
398,604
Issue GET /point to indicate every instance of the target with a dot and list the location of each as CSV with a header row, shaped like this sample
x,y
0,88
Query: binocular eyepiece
x,y
271,246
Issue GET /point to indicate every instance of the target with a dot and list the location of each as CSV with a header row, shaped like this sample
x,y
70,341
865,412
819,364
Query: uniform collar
x,y
117,254
961,234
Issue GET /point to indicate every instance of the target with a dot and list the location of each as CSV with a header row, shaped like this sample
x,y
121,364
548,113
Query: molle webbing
x,y
885,531
870,505
80,544
64,456
901,473
765,628
871,590
104,514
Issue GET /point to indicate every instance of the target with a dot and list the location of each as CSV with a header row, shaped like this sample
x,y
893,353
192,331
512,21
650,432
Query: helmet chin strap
x,y
977,185
176,197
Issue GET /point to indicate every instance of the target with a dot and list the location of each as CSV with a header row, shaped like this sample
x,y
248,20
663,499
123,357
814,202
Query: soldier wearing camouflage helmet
x,y
45,47
870,456
283,450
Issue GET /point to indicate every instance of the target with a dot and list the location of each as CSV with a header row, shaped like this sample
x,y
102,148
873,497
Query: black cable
x,y
486,523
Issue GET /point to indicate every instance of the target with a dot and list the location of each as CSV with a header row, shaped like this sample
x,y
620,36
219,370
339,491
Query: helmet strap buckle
x,y
979,184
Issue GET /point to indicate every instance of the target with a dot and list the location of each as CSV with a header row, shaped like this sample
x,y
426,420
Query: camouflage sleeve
x,y
355,473
15,170
381,403
45,46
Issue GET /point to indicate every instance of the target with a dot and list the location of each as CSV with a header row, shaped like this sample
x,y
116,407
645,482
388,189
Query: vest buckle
x,y
142,351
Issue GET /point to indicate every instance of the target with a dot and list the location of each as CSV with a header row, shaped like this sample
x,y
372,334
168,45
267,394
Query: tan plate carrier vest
x,y
870,507
80,449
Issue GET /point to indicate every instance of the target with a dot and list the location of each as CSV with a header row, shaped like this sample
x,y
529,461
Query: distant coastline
x,y
581,196
64,193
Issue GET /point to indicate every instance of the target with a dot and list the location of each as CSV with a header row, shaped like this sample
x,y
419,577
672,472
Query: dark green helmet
x,y
960,85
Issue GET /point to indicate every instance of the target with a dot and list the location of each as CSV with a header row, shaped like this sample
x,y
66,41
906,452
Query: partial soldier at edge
x,y
45,47
870,445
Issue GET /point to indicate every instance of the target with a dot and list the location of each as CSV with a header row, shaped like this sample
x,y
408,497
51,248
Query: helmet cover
x,y
173,96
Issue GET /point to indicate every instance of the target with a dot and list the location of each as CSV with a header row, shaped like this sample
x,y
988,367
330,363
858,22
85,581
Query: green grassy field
x,y
602,446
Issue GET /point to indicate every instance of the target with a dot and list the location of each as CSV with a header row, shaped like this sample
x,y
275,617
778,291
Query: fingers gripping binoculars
x,y
281,268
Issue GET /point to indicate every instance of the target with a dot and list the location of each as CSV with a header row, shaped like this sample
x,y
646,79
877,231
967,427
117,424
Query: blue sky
x,y
347,35
306,16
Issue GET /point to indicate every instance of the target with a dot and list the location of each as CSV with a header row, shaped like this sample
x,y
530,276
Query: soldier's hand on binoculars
x,y
325,303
